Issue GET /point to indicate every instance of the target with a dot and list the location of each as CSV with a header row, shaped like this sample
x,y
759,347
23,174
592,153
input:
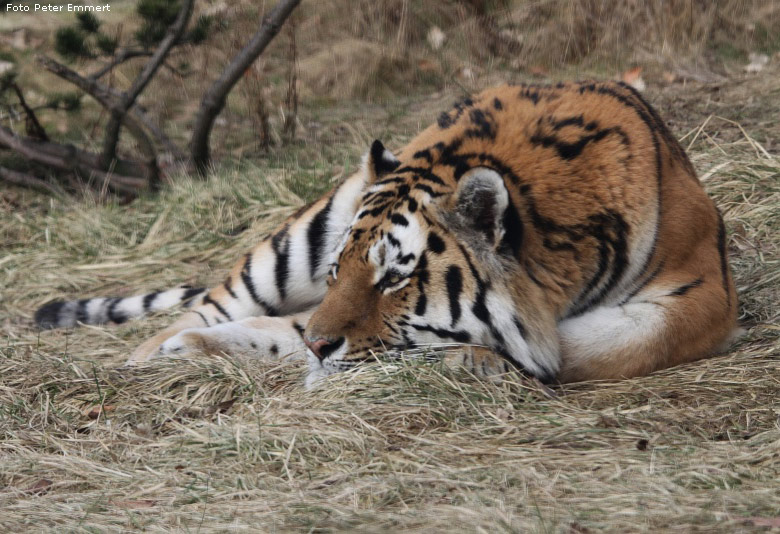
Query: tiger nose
x,y
322,348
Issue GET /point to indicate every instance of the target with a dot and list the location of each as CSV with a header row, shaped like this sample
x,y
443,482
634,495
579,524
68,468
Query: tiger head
x,y
424,262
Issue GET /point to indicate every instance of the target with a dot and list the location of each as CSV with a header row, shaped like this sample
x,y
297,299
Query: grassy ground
x,y
218,444
223,444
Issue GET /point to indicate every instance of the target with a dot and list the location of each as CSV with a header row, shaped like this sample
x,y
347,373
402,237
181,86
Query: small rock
x,y
436,37
757,62
5,66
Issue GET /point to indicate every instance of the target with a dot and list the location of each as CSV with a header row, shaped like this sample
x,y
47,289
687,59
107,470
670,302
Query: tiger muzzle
x,y
322,347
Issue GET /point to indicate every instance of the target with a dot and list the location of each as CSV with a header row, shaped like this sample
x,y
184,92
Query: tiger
x,y
555,230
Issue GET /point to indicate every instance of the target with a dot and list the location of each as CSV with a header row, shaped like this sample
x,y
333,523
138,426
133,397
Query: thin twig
x,y
34,127
128,98
124,55
69,158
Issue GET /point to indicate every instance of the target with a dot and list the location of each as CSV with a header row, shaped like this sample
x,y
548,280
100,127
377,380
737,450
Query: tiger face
x,y
412,271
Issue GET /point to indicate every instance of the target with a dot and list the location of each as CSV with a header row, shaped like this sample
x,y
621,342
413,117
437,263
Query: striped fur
x,y
560,230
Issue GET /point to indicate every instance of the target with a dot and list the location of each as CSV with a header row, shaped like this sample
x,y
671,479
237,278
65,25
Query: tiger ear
x,y
380,161
480,202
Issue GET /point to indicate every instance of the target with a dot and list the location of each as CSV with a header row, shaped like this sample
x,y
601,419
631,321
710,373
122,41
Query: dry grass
x,y
222,444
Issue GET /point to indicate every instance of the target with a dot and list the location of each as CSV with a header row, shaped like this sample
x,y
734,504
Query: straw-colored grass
x,y
217,444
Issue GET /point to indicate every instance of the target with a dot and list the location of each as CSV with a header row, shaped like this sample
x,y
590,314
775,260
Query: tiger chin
x,y
556,230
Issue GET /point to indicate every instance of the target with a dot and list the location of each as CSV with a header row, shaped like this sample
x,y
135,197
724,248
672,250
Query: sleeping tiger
x,y
558,230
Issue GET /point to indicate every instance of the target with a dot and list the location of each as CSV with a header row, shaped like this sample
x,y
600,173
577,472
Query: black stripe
x,y
428,189
530,93
682,290
403,260
423,277
671,140
393,240
485,125
400,220
520,328
112,314
461,336
149,300
445,120
246,277
48,315
513,231
208,300
454,281
422,304
315,236
530,270
569,151
192,292
424,154
203,317
227,285
422,173
81,311
281,248
375,211
435,243
479,309
391,180
375,197
644,283
298,328
617,244
569,121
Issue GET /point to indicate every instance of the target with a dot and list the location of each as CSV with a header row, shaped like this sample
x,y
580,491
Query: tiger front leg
x,y
270,338
284,274
479,361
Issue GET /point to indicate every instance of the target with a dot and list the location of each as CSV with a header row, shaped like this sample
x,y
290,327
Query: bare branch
x,y
34,127
174,33
109,99
214,99
124,55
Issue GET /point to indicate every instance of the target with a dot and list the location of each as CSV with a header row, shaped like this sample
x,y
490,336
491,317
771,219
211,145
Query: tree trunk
x,y
214,99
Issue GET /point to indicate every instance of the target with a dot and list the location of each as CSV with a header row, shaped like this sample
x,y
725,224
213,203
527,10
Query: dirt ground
x,y
215,444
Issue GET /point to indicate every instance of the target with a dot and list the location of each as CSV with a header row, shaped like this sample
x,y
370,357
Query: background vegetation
x,y
212,444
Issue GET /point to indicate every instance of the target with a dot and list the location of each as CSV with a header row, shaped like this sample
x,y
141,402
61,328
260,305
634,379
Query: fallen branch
x,y
71,159
29,181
